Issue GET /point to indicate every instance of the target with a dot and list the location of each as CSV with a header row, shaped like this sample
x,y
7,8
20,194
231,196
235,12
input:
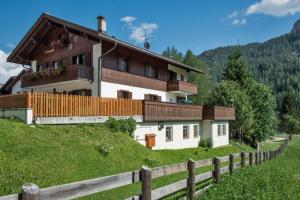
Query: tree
x,y
203,81
237,69
289,104
291,125
229,93
173,53
263,104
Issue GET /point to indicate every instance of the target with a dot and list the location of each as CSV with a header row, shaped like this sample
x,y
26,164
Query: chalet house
x,y
70,59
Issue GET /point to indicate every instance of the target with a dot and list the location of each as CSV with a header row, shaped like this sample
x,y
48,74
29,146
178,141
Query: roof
x,y
45,19
7,86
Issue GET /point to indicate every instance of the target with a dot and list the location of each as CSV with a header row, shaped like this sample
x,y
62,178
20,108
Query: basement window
x,y
124,94
185,132
221,129
169,134
152,97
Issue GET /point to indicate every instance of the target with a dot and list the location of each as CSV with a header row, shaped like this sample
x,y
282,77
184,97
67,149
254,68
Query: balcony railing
x,y
162,111
181,86
218,113
51,75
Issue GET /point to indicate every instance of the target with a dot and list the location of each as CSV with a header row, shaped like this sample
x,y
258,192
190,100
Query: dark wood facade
x,y
182,87
163,111
218,113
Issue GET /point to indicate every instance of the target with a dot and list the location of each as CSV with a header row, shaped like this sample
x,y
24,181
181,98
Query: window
x,y
185,132
196,131
152,97
151,71
172,76
124,94
56,64
124,64
181,77
169,134
79,60
221,129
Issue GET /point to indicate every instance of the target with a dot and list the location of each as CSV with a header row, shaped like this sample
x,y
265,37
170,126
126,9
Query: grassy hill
x,y
53,155
276,179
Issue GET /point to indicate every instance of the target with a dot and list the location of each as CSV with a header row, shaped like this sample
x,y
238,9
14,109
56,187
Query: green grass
x,y
277,179
53,155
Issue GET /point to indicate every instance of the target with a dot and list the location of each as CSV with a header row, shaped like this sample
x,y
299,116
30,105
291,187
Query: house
x,y
12,85
70,59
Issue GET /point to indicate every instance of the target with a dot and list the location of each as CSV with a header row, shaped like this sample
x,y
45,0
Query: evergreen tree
x,y
173,53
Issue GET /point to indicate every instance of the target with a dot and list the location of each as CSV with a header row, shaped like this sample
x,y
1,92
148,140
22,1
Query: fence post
x,y
256,158
250,158
231,163
264,157
243,159
28,100
260,157
217,169
191,179
30,191
146,183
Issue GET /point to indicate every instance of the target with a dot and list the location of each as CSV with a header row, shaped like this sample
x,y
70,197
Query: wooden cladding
x,y
73,72
218,113
182,86
60,105
124,78
162,111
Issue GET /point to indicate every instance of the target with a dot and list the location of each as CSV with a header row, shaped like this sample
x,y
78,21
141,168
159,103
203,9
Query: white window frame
x,y
188,131
171,134
196,127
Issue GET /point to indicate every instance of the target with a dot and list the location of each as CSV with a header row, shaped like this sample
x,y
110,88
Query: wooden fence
x,y
145,176
60,105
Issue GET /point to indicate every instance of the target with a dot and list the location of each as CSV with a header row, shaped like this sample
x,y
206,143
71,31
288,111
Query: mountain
x,y
275,62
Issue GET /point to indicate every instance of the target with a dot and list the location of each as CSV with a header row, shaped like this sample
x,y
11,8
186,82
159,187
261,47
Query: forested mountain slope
x,y
275,62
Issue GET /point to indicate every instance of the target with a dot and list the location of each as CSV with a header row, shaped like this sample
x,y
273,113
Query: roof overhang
x,y
45,20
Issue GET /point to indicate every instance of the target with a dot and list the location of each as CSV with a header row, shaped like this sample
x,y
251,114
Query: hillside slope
x,y
53,155
275,62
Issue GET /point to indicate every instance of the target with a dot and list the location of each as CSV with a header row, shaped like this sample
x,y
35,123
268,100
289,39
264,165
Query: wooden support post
x,y
146,183
217,170
30,191
231,163
191,179
263,157
250,158
260,157
256,158
268,155
243,159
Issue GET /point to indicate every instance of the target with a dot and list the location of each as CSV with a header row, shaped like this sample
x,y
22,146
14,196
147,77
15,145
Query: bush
x,y
124,125
105,149
206,143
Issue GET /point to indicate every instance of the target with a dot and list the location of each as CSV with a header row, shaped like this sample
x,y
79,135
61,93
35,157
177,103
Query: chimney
x,y
101,24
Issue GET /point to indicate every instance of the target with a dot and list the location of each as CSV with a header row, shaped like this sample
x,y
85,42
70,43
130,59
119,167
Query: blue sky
x,y
196,25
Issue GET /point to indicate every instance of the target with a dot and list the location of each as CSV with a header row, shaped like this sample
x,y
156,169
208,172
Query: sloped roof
x,y
45,20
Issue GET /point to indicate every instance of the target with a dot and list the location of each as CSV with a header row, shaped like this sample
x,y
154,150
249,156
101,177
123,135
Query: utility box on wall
x,y
150,140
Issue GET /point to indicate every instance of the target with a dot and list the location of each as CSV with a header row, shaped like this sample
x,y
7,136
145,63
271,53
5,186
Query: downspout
x,y
100,66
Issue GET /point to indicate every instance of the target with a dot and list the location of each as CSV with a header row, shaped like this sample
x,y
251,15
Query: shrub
x,y
105,149
206,143
124,125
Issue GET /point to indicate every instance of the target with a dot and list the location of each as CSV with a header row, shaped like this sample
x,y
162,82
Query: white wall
x,y
110,90
160,139
210,130
17,87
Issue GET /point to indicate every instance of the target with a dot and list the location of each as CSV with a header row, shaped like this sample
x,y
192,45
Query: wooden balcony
x,y
126,78
218,113
181,86
73,72
163,111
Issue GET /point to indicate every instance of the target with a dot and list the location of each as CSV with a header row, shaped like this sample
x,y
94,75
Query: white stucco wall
x,y
160,139
110,90
210,130
17,87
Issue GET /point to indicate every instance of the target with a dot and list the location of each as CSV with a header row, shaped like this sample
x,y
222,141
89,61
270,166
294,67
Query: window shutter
x,y
147,97
129,95
119,93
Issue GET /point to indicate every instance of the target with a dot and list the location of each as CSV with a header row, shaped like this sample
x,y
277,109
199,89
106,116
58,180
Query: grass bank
x,y
53,155
276,179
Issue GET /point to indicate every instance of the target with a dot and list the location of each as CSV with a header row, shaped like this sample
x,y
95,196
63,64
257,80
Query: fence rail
x,y
61,105
145,176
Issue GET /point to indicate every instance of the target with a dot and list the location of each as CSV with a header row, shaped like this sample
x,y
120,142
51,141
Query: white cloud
x,y
233,14
7,69
239,22
128,19
138,32
275,7
10,45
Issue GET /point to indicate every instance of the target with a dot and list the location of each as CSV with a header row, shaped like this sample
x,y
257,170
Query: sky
x,y
185,24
